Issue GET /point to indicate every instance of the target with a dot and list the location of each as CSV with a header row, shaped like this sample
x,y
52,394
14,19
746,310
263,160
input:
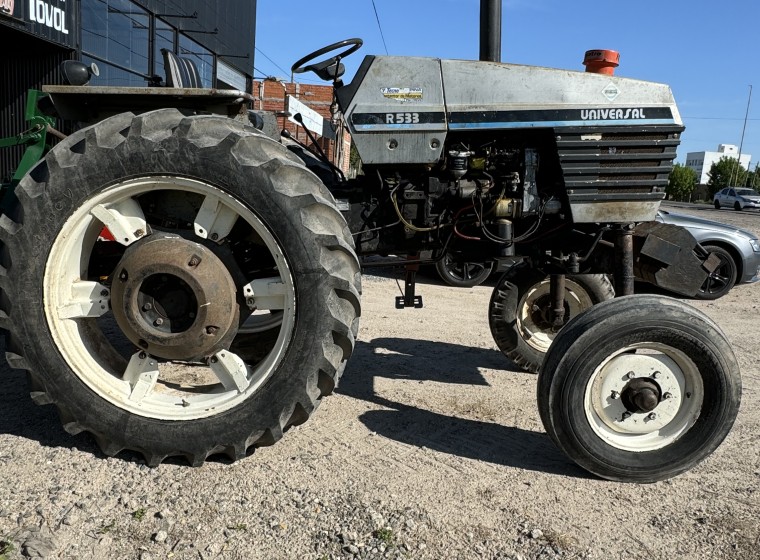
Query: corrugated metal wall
x,y
31,64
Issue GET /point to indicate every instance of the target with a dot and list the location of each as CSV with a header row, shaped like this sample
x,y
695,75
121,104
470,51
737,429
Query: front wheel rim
x,y
674,378
534,307
76,305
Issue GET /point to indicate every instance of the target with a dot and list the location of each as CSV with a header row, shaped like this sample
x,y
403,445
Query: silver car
x,y
737,198
738,249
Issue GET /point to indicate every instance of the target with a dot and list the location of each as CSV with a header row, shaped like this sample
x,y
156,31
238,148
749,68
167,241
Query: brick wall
x,y
270,96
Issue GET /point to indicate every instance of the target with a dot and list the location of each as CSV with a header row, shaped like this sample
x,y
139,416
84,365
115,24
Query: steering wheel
x,y
300,66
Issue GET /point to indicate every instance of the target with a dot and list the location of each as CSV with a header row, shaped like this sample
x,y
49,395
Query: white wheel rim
x,y
148,387
681,395
534,329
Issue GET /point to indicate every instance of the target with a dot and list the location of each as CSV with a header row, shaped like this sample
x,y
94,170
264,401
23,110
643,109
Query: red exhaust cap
x,y
601,61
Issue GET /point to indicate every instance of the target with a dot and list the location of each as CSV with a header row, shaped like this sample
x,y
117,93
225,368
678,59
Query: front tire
x,y
520,309
163,373
737,206
717,205
639,389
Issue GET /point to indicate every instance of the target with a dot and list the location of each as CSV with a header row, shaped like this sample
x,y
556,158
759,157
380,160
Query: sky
x,y
708,52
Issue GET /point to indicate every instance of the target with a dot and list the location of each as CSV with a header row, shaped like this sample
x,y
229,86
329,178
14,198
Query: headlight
x,y
755,245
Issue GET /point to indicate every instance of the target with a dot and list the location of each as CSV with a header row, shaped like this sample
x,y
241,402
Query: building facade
x,y
124,38
335,141
701,162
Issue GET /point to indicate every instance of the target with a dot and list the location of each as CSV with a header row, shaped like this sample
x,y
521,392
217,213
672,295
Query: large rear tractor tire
x,y
177,286
639,389
519,313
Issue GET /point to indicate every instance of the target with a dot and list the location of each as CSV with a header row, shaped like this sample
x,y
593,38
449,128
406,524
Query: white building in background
x,y
701,162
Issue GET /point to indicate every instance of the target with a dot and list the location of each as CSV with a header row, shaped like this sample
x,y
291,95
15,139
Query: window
x,y
164,39
115,32
113,76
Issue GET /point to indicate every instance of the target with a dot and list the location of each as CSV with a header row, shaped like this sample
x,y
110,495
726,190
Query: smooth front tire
x,y
717,205
519,313
737,206
722,279
177,286
639,389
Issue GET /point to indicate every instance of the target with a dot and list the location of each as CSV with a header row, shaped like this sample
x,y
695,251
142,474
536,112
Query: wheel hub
x,y
638,393
641,395
174,298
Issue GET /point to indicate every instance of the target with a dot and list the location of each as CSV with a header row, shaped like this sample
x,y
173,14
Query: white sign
x,y
48,15
311,119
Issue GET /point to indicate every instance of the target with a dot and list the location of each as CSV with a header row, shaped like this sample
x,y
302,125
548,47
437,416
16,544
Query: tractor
x,y
177,282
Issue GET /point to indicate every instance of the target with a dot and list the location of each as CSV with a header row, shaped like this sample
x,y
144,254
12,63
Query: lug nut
x,y
626,415
211,330
104,293
194,261
652,416
615,395
656,375
142,355
631,375
214,236
667,396
147,307
158,322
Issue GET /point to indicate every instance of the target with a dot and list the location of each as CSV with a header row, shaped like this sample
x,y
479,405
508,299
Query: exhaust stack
x,y
490,30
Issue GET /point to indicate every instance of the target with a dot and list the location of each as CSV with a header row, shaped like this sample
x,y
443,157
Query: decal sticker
x,y
402,118
559,117
388,119
611,92
612,114
402,93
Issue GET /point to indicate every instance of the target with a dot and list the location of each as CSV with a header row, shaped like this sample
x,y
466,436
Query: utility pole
x,y
741,143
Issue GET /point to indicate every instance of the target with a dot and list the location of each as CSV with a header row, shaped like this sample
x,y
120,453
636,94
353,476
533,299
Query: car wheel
x,y
737,205
717,205
722,279
463,274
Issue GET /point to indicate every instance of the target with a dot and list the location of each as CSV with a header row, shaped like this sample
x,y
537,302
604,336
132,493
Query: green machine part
x,y
34,138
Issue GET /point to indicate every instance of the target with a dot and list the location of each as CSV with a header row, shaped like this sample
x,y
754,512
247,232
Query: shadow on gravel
x,y
19,416
446,363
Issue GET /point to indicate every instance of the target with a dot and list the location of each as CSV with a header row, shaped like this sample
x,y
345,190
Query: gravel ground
x,y
432,448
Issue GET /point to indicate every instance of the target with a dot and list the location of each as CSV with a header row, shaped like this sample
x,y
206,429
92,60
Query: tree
x,y
355,164
753,180
681,182
726,172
